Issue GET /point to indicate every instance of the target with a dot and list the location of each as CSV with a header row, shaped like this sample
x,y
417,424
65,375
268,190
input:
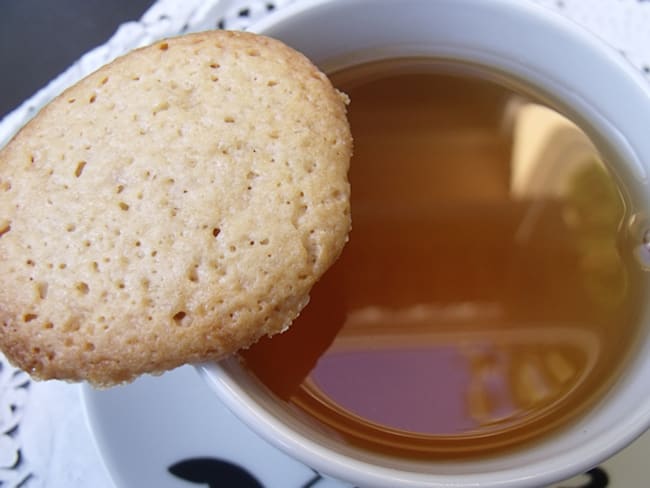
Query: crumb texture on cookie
x,y
172,207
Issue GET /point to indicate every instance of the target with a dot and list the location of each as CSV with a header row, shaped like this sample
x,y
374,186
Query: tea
x,y
482,300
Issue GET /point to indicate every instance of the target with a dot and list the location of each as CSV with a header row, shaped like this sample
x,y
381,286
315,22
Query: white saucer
x,y
172,432
158,426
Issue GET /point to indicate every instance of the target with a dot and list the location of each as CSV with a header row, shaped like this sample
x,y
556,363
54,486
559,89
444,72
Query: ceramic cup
x,y
575,73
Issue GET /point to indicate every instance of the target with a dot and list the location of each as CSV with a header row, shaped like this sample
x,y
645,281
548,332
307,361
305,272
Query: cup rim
x,y
222,378
536,26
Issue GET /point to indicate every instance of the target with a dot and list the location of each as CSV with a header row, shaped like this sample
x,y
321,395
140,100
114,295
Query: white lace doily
x,y
43,437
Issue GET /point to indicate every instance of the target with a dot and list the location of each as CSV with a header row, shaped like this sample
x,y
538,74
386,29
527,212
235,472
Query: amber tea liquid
x,y
481,301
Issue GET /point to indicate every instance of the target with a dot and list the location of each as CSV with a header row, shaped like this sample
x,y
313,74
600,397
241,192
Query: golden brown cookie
x,y
172,207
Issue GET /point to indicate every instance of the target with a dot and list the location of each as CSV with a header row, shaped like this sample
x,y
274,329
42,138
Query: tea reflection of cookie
x,y
170,208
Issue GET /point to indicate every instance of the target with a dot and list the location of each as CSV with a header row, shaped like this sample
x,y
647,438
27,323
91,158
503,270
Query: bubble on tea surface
x,y
643,252
639,235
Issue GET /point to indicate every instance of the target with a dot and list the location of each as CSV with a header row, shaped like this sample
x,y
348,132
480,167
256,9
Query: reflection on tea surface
x,y
481,299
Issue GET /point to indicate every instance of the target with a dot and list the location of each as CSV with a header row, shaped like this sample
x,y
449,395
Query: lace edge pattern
x,y
14,388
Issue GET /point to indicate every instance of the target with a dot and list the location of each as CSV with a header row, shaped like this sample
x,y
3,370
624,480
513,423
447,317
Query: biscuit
x,y
171,208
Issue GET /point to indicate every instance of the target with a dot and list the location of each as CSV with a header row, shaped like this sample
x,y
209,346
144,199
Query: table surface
x,y
45,438
40,38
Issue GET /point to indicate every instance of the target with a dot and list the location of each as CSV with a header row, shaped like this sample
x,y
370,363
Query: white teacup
x,y
578,75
